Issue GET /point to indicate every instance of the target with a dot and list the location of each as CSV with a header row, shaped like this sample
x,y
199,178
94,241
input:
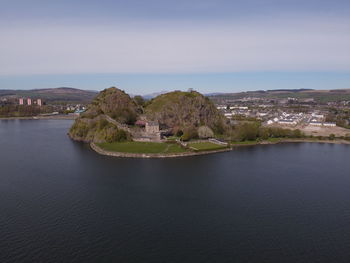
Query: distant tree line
x,y
23,110
253,130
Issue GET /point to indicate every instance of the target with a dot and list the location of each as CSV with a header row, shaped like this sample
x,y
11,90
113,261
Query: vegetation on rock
x,y
114,103
186,114
97,130
185,110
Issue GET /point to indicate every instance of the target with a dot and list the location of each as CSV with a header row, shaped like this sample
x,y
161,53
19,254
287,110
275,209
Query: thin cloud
x,y
310,44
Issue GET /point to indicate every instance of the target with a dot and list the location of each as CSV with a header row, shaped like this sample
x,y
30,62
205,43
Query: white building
x,y
329,124
228,115
221,107
315,123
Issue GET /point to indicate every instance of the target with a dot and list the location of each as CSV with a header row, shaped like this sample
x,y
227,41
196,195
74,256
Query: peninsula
x,y
172,124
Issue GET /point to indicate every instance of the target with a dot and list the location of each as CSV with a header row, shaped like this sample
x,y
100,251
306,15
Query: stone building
x,y
152,127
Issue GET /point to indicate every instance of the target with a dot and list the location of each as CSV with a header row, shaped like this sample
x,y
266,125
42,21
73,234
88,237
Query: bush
x,y
121,136
79,129
264,133
179,133
102,123
205,132
248,131
332,136
297,133
189,133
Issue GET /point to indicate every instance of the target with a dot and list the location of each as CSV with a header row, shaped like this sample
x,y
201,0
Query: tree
x,y
264,133
332,136
189,133
205,132
297,133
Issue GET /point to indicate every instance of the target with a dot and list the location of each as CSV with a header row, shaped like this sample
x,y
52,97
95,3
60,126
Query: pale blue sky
x,y
143,46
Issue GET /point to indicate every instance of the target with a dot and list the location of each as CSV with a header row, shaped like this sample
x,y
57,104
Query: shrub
x,y
121,136
189,133
205,132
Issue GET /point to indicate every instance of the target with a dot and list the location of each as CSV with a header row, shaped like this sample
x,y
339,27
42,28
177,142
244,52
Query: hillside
x,y
184,109
317,95
53,95
95,124
113,112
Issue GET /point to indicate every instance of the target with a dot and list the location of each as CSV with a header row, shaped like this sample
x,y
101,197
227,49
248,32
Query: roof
x,y
152,123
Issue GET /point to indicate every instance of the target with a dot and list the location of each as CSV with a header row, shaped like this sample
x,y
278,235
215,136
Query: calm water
x,y
62,202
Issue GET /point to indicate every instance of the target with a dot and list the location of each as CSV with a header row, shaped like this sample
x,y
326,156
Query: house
x,y
315,123
228,114
329,124
287,122
221,107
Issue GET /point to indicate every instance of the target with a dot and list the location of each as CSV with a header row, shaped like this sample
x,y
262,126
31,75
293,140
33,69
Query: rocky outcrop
x,y
185,109
112,115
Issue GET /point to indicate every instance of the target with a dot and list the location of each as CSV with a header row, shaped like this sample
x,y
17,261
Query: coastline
x,y
51,117
306,140
99,150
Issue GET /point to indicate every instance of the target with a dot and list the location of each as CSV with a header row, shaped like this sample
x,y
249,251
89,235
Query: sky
x,y
145,46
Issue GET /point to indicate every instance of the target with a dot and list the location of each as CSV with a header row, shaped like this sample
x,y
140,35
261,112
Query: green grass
x,y
205,146
142,147
244,143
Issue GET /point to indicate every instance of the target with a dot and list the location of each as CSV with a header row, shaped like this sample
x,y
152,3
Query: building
x,y
315,123
152,127
287,122
39,102
21,101
329,124
221,107
29,101
228,115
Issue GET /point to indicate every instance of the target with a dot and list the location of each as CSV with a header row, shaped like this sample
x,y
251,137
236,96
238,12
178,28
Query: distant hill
x,y
62,94
317,95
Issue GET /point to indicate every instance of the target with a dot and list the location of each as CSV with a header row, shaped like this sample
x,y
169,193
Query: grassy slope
x,y
142,147
206,146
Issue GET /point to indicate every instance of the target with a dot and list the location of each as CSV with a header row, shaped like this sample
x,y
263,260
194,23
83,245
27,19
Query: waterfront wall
x,y
151,155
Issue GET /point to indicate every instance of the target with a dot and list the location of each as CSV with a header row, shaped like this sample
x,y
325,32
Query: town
x,y
310,116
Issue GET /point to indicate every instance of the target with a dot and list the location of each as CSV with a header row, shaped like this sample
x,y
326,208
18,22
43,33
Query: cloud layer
x,y
289,44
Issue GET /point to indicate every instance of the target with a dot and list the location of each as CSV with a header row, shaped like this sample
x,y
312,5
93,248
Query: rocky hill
x,y
184,109
112,115
95,124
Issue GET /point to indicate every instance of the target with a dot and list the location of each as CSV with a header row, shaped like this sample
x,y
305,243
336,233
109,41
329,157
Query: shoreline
x,y
52,117
100,151
306,140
